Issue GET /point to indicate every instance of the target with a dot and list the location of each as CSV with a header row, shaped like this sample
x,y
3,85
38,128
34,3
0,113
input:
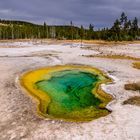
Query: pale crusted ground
x,y
18,117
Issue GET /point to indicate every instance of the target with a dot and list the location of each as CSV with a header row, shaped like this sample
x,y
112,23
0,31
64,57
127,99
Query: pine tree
x,y
115,30
123,19
82,34
71,25
135,28
90,31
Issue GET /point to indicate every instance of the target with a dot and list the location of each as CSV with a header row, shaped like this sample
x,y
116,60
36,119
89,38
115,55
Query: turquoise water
x,y
70,90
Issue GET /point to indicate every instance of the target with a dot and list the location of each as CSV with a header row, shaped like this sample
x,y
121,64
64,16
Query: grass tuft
x,y
132,86
136,65
133,101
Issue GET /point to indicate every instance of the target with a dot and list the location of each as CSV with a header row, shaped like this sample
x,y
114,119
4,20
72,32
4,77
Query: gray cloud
x,y
100,13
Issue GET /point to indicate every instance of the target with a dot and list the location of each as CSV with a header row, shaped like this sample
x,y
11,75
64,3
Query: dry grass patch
x,y
116,57
136,65
133,101
100,42
103,42
132,86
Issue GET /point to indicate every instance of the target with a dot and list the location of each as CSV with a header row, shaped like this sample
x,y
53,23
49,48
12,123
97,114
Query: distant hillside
x,y
15,22
122,29
10,29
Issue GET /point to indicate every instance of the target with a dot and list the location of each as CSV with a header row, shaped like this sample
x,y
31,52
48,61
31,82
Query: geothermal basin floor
x,y
19,119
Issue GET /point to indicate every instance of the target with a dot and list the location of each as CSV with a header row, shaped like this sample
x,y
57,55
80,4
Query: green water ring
x,y
69,92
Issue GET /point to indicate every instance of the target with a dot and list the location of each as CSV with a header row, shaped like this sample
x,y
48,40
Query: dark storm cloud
x,y
101,13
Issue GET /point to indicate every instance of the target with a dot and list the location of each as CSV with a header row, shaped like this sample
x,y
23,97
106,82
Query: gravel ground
x,y
19,119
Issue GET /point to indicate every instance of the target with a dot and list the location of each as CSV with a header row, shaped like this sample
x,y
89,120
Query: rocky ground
x,y
18,117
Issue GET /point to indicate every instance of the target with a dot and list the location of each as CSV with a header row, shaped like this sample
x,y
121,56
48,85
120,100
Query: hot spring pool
x,y
69,93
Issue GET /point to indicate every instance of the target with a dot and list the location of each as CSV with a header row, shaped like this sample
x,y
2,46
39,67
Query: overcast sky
x,y
101,13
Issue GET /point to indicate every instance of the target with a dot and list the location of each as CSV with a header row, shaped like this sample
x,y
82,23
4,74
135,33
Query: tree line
x,y
122,29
